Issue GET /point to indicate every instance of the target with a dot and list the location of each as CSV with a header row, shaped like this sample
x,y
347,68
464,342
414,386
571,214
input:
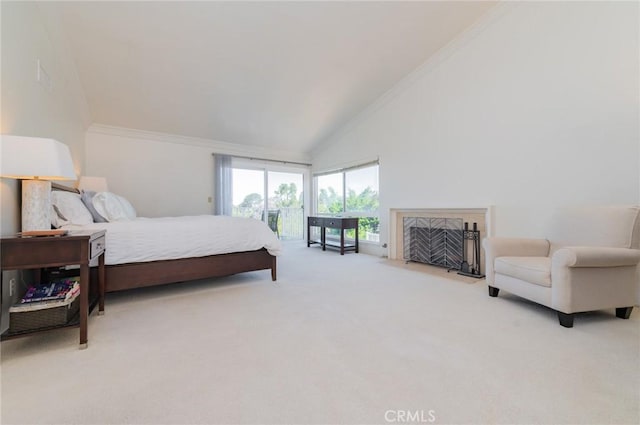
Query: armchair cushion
x,y
512,247
536,270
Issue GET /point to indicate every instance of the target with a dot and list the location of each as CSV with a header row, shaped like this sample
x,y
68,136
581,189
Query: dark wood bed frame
x,y
136,275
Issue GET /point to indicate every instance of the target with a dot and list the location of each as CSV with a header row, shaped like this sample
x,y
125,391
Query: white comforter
x,y
167,238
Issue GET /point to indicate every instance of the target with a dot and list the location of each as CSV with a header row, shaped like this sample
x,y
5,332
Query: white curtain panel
x,y
223,184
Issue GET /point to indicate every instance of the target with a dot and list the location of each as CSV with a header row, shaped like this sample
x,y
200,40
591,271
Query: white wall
x,y
534,107
162,174
31,32
28,33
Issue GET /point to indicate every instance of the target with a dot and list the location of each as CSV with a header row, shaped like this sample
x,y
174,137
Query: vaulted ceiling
x,y
274,74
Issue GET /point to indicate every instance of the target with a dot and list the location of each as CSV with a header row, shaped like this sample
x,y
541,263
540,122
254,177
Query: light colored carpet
x,y
335,340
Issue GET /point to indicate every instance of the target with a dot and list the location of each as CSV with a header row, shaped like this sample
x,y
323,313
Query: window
x,y
248,188
352,192
260,192
330,197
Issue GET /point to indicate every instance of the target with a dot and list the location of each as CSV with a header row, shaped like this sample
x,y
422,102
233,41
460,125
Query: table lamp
x,y
35,161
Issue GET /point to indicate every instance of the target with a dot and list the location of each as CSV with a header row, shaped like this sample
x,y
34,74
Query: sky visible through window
x,y
360,179
246,182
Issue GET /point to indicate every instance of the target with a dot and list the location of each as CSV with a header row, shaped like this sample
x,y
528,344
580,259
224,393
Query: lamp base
x,y
36,205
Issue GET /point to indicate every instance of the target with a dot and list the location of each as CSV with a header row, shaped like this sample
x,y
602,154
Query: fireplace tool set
x,y
470,237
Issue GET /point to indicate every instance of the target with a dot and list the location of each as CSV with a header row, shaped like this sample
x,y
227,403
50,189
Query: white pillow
x,y
113,207
128,208
87,199
67,208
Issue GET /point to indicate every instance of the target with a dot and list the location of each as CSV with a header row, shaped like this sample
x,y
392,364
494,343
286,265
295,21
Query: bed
x,y
143,252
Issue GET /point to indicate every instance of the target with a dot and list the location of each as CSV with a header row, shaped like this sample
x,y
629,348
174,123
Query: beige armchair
x,y
588,263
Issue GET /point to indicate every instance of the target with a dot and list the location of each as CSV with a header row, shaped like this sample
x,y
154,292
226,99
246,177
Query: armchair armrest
x,y
515,247
595,256
592,277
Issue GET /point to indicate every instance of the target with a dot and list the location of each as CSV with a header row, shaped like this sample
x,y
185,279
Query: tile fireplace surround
x,y
482,216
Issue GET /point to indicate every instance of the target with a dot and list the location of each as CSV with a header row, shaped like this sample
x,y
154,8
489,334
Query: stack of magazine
x,y
47,295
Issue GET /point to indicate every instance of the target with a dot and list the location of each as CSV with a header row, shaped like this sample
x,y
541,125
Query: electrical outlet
x,y
12,287
209,199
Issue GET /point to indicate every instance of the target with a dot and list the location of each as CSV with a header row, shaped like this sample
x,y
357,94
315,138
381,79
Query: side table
x,y
340,223
75,248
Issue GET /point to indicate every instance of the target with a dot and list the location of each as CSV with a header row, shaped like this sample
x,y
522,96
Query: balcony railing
x,y
290,222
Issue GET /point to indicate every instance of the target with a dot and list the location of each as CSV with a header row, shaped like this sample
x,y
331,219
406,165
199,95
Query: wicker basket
x,y
29,317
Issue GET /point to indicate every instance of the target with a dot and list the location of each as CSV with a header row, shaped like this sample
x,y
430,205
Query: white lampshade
x,y
35,160
95,184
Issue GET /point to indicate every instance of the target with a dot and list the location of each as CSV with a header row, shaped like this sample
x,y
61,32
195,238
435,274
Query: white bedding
x,y
167,238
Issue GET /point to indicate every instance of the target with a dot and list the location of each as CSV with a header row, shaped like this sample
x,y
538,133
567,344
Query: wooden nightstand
x,y
76,248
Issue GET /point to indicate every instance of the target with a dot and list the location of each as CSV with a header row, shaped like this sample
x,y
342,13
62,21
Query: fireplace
x,y
435,241
444,237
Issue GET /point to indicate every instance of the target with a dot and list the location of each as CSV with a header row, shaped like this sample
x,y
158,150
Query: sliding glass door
x,y
285,198
248,193
274,196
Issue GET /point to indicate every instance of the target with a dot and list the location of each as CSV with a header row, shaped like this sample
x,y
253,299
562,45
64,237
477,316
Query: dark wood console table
x,y
341,223
77,248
